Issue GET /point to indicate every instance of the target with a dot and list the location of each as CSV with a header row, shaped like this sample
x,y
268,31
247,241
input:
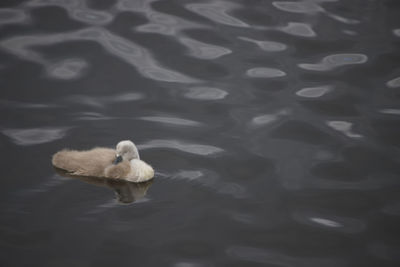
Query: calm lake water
x,y
273,127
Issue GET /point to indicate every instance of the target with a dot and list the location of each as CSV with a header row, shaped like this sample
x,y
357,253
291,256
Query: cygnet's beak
x,y
117,160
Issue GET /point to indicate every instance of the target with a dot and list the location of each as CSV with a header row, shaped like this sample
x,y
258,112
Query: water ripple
x,y
298,7
337,223
217,12
138,5
125,50
34,136
326,222
314,92
344,127
268,256
206,178
268,118
210,180
68,69
17,104
350,32
264,119
48,185
269,46
394,83
203,150
12,16
189,175
205,93
343,20
263,72
101,101
334,61
171,120
91,17
160,23
309,7
391,111
298,29
77,10
204,51
62,3
91,116
155,28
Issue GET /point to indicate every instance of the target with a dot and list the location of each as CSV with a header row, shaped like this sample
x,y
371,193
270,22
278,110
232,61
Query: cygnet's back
x,y
86,163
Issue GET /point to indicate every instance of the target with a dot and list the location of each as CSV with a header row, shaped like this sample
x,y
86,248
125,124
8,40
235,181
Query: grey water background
x,y
273,127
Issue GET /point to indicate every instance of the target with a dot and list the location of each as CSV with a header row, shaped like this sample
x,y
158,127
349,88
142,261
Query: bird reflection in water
x,y
126,192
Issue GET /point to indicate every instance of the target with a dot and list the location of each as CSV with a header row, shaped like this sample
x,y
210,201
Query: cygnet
x,y
121,163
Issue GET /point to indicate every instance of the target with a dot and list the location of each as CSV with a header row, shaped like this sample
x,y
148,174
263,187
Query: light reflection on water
x,y
333,61
217,12
127,51
272,126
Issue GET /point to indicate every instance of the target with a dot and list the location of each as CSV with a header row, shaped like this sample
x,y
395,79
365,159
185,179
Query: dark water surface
x,y
274,128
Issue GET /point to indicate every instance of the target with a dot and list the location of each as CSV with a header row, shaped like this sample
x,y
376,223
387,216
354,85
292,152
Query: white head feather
x,y
127,150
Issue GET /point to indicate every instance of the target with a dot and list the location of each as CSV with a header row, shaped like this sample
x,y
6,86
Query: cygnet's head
x,y
126,150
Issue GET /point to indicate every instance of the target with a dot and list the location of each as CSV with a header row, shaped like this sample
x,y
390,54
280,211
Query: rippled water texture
x,y
273,127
